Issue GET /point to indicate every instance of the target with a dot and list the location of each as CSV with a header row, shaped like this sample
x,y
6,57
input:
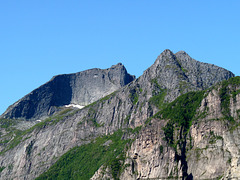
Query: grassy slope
x,y
82,162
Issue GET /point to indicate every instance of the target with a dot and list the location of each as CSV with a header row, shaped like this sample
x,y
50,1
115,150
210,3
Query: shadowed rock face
x,y
80,88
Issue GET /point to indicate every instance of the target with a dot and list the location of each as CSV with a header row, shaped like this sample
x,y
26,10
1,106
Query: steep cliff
x,y
80,88
201,143
156,115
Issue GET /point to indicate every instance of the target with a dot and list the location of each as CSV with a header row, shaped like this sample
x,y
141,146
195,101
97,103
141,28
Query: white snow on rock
x,y
75,105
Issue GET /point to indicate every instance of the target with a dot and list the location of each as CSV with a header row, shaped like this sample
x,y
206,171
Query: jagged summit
x,y
80,88
117,65
167,52
180,73
182,52
183,55
117,73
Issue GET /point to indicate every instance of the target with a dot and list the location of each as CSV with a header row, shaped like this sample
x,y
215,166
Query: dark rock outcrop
x,y
80,88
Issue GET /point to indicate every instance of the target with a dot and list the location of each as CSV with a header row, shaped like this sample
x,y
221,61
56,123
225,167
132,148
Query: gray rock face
x,y
129,107
201,75
179,73
80,88
213,151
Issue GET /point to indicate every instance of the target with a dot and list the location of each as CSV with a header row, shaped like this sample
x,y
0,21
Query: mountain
x,y
194,137
179,73
80,89
178,120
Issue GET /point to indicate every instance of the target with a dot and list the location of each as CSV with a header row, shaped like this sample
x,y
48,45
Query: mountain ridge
x,y
80,88
131,109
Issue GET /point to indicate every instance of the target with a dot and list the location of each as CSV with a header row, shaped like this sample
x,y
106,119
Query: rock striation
x,y
80,88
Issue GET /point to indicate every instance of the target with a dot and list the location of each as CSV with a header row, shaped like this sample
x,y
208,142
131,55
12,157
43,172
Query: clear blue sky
x,y
42,38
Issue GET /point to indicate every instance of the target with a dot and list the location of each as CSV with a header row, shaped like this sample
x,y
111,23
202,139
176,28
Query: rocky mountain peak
x,y
118,65
118,75
80,88
164,57
179,73
182,55
182,52
167,52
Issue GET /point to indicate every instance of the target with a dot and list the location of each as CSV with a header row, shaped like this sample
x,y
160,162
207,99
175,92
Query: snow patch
x,y
75,105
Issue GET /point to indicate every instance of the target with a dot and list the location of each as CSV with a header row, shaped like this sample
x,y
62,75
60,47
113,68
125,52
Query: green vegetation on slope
x,y
7,123
82,162
134,96
158,95
180,114
2,168
182,111
15,136
228,88
158,100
